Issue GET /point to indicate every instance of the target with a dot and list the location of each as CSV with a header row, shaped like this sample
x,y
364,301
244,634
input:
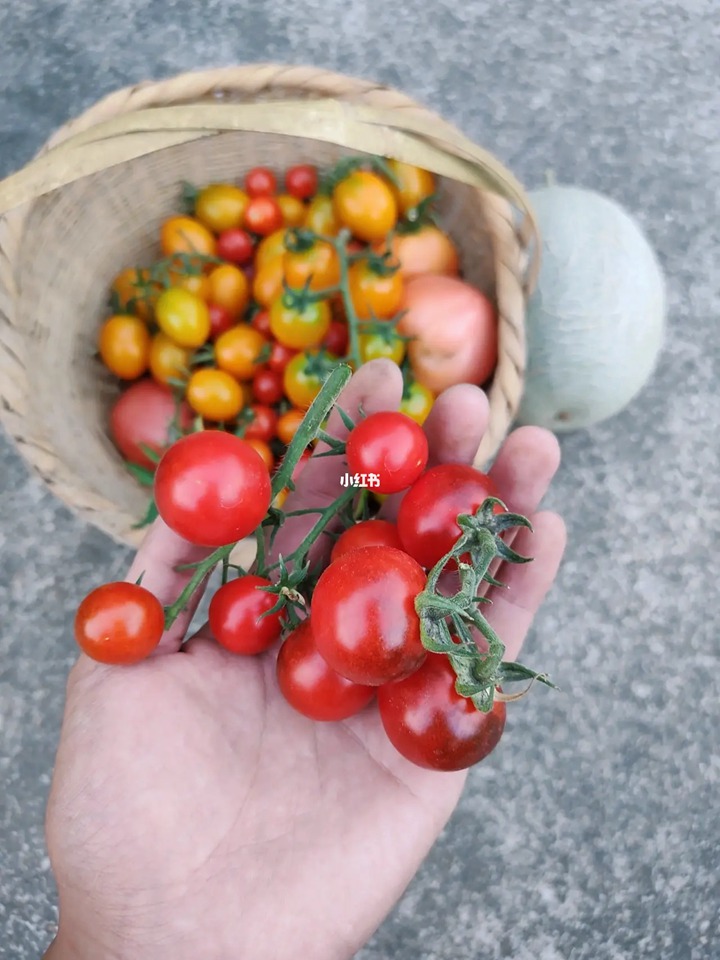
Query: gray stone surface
x,y
595,834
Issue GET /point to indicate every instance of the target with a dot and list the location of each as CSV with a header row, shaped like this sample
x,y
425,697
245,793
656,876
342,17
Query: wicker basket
x,y
92,201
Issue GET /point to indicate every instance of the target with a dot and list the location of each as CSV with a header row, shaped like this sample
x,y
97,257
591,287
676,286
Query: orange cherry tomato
x,y
365,204
429,250
417,402
184,317
134,292
288,424
264,450
269,248
221,206
414,184
319,265
374,294
268,282
293,210
214,394
320,216
196,283
238,351
125,346
168,360
300,328
301,383
186,235
228,287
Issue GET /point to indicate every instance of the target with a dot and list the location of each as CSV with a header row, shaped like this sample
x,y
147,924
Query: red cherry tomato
x,y
427,519
220,320
239,618
336,339
235,245
367,533
311,686
261,322
430,724
143,416
263,425
260,182
301,181
267,386
280,357
119,623
212,488
263,216
391,446
363,615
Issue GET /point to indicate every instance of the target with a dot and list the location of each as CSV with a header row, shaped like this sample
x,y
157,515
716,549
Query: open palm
x,y
194,814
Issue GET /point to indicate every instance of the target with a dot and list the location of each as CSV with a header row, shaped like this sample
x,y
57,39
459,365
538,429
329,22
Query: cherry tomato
x,y
196,283
427,519
336,339
186,235
212,488
268,282
134,292
235,245
367,533
366,204
214,394
428,250
263,448
300,382
221,206
310,686
270,248
375,346
220,320
263,423
288,424
167,360
363,615
228,287
301,181
414,184
280,357
293,210
300,328
267,386
431,725
124,345
143,416
263,216
119,623
184,317
389,445
318,266
417,402
374,294
238,616
238,351
261,322
260,182
320,217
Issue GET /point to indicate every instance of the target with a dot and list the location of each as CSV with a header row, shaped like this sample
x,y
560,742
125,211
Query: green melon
x,y
595,324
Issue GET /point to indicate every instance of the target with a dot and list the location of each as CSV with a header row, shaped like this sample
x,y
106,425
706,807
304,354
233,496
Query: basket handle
x,y
439,149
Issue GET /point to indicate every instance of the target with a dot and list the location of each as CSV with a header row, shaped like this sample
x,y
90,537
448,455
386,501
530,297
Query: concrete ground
x,y
595,835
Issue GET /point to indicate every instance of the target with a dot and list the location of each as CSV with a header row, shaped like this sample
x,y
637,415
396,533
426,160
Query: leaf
x,y
143,475
151,454
150,515
518,672
346,419
189,196
508,554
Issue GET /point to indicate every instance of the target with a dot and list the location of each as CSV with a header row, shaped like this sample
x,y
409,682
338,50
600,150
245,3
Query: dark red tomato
x,y
367,533
280,357
220,320
391,446
261,322
212,488
239,618
260,182
336,339
430,724
235,245
301,181
263,425
119,623
267,386
363,615
310,686
143,416
427,519
263,216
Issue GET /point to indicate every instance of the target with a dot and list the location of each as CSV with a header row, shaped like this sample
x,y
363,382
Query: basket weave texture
x,y
92,201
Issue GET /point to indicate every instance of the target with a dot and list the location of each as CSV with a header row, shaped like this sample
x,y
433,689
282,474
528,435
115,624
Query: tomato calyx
x,y
446,621
343,168
418,217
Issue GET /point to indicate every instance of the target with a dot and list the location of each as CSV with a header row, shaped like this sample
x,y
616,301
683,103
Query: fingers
x,y
524,468
159,555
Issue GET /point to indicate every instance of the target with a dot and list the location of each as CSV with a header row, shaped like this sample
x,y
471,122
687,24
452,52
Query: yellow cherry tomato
x,y
377,346
184,317
214,394
300,328
301,382
221,206
320,216
135,293
414,184
268,282
288,424
238,351
417,402
186,235
293,210
228,288
374,294
168,360
125,346
365,204
270,248
319,266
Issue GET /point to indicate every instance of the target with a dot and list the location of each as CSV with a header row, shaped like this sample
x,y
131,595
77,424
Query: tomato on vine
x,y
304,376
380,345
239,616
316,265
119,623
376,290
366,533
389,445
366,204
302,325
135,293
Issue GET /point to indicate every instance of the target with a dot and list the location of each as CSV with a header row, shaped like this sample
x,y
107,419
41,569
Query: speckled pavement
x,y
594,834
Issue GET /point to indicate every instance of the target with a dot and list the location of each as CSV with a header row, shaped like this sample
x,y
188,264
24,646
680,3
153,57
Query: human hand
x,y
194,814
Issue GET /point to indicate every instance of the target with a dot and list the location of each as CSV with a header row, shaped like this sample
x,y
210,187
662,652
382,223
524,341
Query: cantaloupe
x,y
595,323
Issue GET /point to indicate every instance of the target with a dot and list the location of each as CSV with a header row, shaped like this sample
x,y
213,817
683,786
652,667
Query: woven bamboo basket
x,y
92,201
